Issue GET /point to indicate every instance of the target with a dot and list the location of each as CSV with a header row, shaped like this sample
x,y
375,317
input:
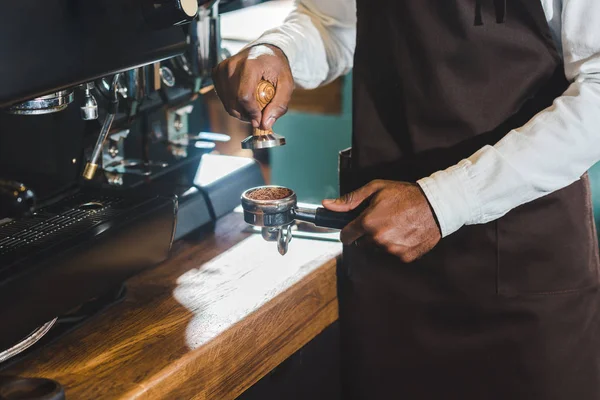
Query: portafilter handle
x,y
325,218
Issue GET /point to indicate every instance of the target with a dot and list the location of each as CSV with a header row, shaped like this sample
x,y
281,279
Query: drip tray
x,y
77,249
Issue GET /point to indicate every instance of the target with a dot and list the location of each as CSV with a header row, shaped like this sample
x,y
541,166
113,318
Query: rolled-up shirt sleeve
x,y
318,38
550,152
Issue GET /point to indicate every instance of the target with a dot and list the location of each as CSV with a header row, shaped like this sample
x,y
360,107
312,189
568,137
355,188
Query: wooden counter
x,y
220,314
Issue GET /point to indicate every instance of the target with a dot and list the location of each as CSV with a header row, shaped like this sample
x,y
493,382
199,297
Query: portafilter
x,y
275,209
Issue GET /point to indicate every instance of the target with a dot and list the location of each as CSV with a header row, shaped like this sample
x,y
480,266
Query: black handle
x,y
337,220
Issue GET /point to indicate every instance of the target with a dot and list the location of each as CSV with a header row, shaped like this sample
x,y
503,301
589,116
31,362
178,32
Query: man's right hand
x,y
236,80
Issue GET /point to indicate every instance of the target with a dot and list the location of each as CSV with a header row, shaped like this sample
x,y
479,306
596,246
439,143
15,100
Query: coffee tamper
x,y
262,139
275,209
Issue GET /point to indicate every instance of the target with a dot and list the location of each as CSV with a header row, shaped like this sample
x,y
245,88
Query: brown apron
x,y
504,310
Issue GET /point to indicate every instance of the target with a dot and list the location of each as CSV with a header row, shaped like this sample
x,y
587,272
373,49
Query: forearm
x,y
550,152
318,38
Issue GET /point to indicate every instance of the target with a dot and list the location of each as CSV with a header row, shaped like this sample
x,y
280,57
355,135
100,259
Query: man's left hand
x,y
398,219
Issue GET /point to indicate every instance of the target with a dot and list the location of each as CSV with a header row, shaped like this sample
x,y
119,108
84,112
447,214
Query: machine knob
x,y
165,13
89,110
16,200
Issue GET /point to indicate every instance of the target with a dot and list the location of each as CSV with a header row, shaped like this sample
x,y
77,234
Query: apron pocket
x,y
548,246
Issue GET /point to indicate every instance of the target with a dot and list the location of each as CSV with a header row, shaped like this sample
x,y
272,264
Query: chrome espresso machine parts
x,y
275,210
47,104
65,241
102,83
92,165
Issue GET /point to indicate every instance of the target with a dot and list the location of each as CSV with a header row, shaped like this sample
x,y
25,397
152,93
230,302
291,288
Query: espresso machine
x,y
104,158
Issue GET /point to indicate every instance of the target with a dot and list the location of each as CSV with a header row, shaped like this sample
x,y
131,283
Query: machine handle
x,y
336,220
265,92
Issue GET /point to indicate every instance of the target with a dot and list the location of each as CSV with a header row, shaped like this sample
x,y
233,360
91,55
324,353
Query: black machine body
x,y
103,147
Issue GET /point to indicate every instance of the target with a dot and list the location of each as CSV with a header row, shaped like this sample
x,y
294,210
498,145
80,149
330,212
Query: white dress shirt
x,y
550,152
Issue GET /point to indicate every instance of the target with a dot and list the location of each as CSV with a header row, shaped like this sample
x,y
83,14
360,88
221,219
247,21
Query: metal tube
x,y
92,166
26,343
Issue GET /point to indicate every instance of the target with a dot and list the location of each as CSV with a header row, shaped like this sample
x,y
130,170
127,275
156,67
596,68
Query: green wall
x,y
308,163
594,174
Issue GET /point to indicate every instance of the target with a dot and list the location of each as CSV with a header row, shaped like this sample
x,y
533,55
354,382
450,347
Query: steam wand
x,y
92,166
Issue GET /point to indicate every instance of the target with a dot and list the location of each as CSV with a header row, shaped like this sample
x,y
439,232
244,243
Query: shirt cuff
x,y
282,42
451,196
308,72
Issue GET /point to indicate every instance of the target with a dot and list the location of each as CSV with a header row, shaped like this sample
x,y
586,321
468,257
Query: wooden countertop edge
x,y
239,357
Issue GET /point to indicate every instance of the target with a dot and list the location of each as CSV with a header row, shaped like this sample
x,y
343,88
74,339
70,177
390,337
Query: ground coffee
x,y
272,193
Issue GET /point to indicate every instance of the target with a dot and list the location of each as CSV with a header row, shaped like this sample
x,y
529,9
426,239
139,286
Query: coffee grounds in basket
x,y
274,193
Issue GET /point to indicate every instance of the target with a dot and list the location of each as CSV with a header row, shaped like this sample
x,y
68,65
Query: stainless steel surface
x,y
136,83
209,38
284,238
114,149
278,220
281,234
134,167
270,234
167,77
48,104
92,164
108,121
204,145
268,213
114,179
276,217
29,341
256,142
178,125
306,230
275,213
214,137
115,165
89,110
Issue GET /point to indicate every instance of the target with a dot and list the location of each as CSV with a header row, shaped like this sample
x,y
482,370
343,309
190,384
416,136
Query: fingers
x,y
279,105
353,231
224,86
246,102
352,200
406,254
236,81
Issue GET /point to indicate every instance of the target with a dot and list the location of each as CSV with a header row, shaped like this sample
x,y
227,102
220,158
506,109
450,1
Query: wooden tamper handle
x,y
265,92
261,139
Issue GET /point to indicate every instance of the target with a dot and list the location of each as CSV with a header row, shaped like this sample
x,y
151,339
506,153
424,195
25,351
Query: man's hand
x,y
398,219
237,78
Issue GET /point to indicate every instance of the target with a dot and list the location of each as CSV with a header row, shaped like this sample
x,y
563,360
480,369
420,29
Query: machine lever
x,y
92,166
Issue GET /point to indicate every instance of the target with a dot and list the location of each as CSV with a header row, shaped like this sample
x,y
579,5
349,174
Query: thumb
x,y
279,105
352,200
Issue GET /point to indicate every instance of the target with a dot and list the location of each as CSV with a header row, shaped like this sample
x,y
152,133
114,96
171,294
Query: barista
x,y
473,274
